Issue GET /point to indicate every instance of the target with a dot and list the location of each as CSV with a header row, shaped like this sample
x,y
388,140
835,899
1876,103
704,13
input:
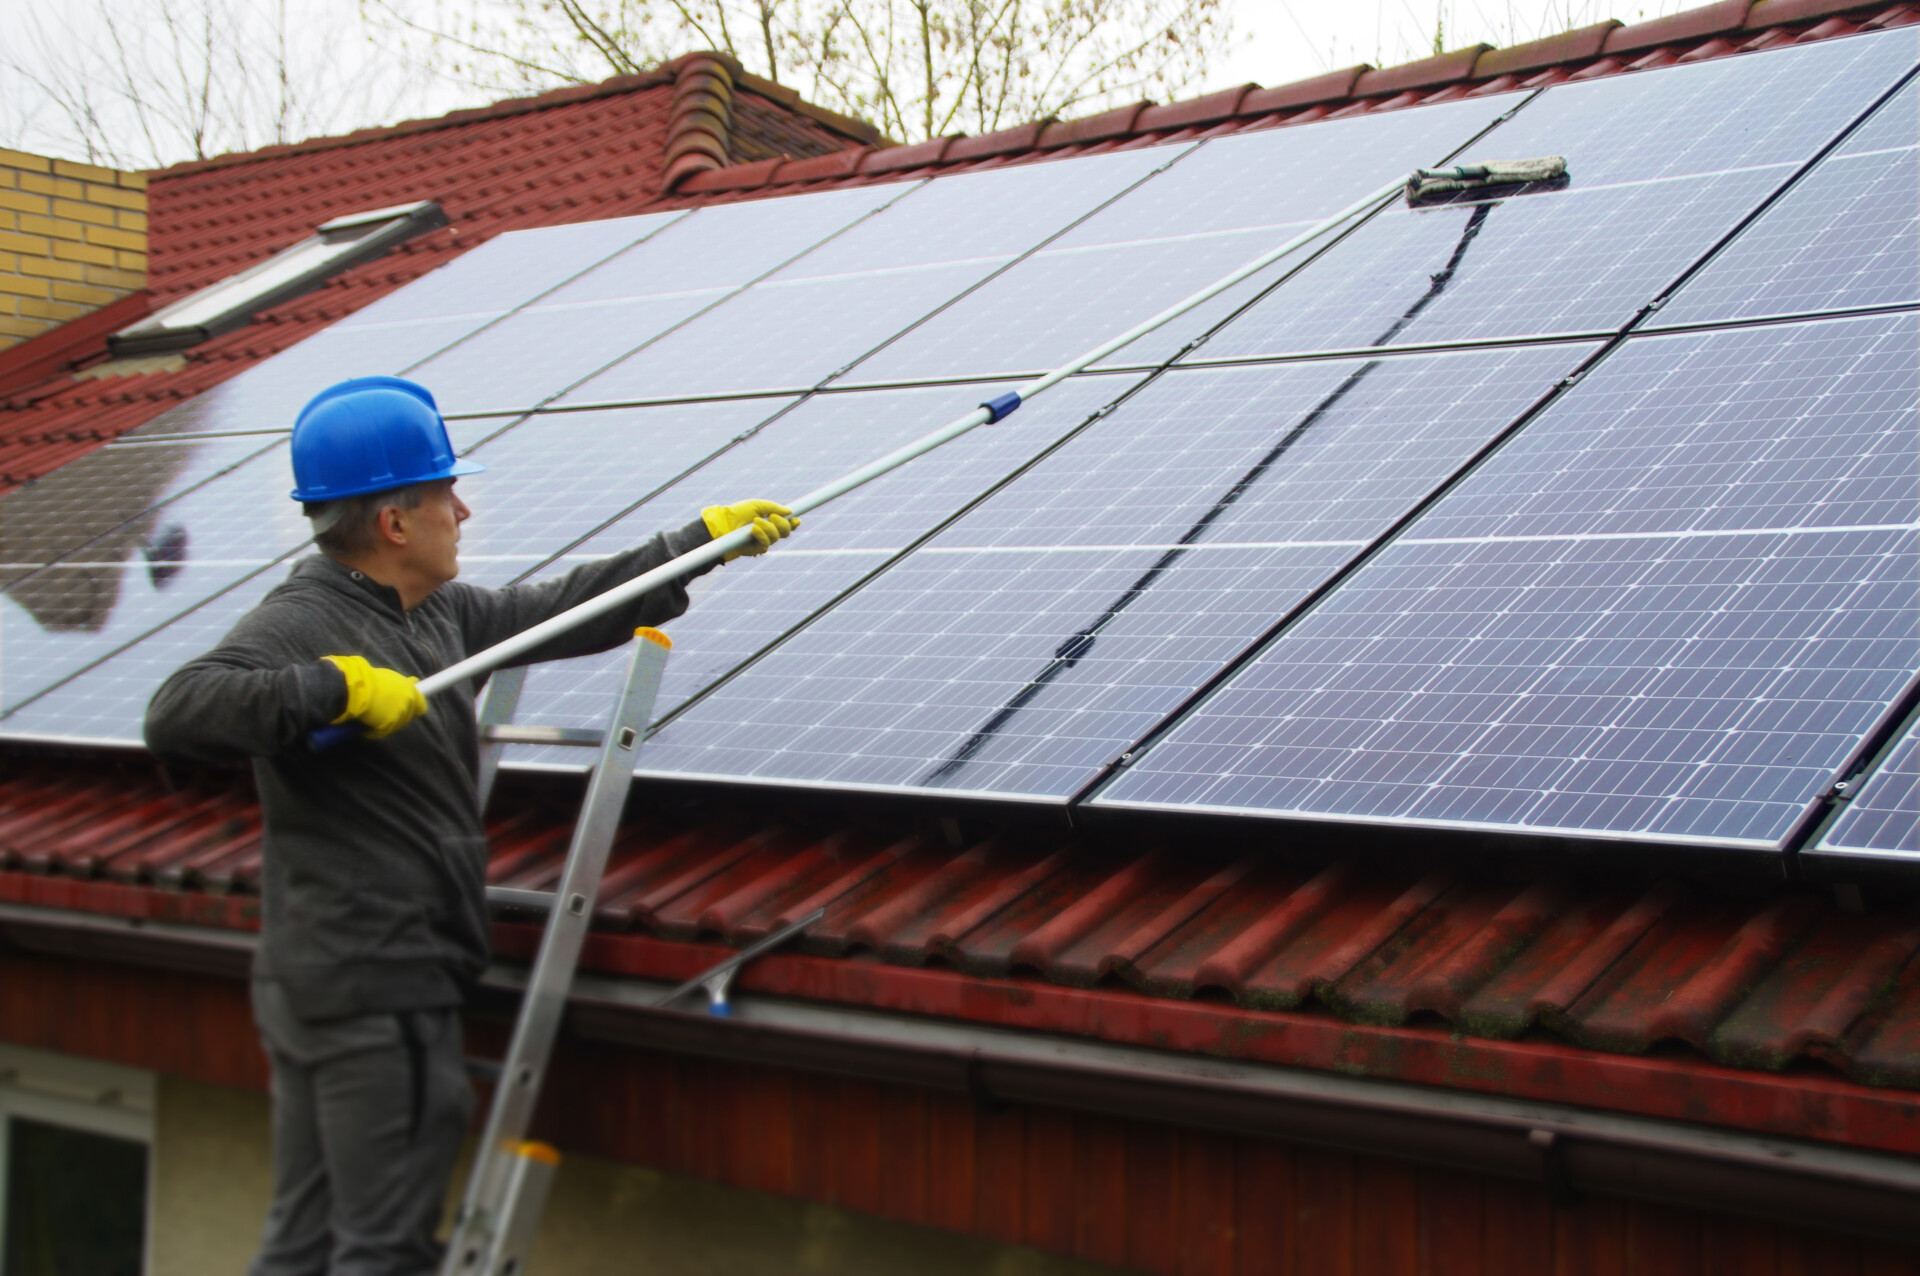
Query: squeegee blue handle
x,y
326,737
1002,406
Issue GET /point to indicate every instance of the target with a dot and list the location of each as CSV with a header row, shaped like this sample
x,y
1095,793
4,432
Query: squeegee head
x,y
1430,183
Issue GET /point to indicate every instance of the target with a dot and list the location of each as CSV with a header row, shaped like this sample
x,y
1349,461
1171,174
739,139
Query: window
x,y
75,1172
342,243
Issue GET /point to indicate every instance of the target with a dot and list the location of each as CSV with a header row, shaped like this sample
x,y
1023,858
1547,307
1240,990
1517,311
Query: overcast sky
x,y
1292,39
1278,41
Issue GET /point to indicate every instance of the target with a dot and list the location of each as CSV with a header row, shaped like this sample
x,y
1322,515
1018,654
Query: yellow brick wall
x,y
73,237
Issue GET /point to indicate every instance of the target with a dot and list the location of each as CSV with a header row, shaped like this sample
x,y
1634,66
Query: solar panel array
x,y
1670,607
1041,634
1497,515
1841,239
1646,200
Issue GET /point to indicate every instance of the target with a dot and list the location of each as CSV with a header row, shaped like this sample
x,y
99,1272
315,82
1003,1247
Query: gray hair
x,y
345,528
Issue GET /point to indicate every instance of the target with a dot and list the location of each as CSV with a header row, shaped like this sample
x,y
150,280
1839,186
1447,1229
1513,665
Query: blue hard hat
x,y
371,434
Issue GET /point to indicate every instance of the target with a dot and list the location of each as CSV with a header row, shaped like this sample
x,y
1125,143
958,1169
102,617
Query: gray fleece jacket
x,y
374,877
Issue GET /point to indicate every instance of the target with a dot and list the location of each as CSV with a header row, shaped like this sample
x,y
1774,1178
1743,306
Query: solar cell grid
x,y
730,245
1645,201
1843,237
1669,608
740,608
109,700
1216,209
1032,641
1579,261
1885,816
816,315
1737,112
554,478
634,297
511,270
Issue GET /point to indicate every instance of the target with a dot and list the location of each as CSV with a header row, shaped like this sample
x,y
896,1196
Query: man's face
x,y
433,532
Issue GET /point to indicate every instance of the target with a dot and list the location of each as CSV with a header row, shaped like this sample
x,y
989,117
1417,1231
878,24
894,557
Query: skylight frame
x,y
334,247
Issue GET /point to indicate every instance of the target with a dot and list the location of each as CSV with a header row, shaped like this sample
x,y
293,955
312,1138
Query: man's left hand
x,y
770,521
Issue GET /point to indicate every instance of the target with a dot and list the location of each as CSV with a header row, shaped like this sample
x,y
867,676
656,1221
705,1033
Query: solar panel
x,y
1885,815
409,326
1218,208
742,607
1644,202
799,325
1843,237
59,620
511,270
553,479
109,700
1034,640
1668,609
270,395
633,298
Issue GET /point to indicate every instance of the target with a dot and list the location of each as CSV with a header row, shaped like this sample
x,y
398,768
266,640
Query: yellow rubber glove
x,y
769,520
384,699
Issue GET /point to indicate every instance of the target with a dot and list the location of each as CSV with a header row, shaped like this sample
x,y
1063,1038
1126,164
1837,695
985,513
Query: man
x,y
374,919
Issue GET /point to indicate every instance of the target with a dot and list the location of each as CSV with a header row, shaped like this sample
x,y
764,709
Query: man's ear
x,y
391,525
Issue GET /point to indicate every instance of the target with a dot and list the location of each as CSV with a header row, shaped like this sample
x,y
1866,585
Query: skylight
x,y
338,245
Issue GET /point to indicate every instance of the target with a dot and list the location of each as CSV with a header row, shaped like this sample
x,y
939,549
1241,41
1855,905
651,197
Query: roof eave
x,y
1573,1151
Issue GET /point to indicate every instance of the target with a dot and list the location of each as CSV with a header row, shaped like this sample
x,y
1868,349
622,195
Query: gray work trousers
x,y
368,1117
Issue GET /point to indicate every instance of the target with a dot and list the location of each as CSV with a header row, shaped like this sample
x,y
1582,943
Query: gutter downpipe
x,y
1574,1152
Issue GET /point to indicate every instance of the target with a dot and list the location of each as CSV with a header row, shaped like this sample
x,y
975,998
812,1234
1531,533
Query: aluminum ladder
x,y
507,1188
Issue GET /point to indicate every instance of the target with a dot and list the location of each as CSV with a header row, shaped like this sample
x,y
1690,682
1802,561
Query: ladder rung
x,y
515,897
577,736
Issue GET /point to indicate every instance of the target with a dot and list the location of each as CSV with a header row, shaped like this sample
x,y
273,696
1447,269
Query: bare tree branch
x,y
142,83
916,68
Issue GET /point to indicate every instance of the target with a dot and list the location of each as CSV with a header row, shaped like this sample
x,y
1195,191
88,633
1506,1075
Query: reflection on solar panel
x,y
664,280
123,586
1885,816
1669,608
743,607
116,494
1641,207
270,396
1216,209
1035,639
802,323
94,602
1843,237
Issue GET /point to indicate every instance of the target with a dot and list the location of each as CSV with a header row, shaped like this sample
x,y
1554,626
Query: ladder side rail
x,y
502,701
486,1212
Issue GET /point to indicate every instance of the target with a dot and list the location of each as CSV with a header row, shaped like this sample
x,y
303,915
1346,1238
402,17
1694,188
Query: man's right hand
x,y
383,699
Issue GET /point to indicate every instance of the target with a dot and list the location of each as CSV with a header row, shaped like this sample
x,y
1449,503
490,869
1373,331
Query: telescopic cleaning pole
x,y
987,413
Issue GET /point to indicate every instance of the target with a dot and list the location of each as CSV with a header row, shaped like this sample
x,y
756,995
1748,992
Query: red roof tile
x,y
1427,73
1556,50
1772,980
